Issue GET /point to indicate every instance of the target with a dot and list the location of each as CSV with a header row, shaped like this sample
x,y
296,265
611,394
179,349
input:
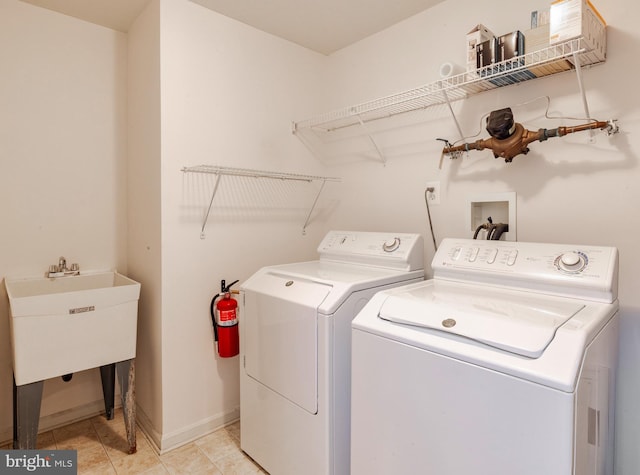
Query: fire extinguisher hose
x,y
212,311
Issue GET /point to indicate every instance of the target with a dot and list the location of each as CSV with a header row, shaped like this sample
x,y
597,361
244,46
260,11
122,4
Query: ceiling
x,y
114,14
323,26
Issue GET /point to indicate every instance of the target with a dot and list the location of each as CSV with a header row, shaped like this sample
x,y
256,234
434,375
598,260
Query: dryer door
x,y
281,335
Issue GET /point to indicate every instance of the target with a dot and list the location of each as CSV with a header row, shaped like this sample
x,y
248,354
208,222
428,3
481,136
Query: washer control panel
x,y
568,270
393,250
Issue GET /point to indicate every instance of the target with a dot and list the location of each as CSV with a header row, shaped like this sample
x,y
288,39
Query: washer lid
x,y
518,322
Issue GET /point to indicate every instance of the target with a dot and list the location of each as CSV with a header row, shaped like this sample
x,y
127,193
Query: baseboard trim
x,y
144,423
194,431
161,443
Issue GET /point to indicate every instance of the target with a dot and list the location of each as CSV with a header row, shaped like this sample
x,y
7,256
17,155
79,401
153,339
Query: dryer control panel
x,y
589,272
403,251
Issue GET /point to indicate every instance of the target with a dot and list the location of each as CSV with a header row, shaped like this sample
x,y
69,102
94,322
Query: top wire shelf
x,y
217,170
547,61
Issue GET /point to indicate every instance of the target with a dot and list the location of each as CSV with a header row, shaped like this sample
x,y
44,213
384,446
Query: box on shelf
x,y
479,34
509,53
571,19
539,18
510,46
485,53
486,56
537,39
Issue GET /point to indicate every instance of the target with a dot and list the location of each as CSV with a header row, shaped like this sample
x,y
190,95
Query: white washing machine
x,y
295,347
504,363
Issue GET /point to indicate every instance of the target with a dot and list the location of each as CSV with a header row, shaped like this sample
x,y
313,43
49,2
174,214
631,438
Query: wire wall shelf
x,y
258,174
570,55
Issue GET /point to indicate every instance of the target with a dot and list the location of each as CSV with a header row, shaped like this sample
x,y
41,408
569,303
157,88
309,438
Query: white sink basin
x,y
69,324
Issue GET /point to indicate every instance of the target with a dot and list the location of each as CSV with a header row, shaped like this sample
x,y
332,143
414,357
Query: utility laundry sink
x,y
67,324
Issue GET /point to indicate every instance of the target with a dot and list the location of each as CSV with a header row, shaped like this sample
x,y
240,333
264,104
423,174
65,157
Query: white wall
x,y
205,89
228,94
63,168
79,188
143,209
567,189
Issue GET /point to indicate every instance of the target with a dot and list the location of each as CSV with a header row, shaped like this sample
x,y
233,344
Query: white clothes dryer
x,y
504,363
295,347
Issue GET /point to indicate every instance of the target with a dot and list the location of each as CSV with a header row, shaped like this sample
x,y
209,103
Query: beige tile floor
x,y
102,450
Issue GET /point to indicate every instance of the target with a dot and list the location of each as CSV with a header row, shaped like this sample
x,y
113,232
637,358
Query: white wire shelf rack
x,y
570,55
251,173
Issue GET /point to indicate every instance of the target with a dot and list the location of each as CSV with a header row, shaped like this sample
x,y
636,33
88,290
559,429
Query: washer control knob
x,y
570,259
571,262
391,245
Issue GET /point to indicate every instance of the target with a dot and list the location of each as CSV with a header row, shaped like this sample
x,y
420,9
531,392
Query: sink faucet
x,y
61,270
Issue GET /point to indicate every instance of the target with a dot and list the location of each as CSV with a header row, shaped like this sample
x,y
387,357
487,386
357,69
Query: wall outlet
x,y
433,197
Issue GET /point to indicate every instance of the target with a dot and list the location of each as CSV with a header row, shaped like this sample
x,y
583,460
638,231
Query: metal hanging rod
x,y
216,170
247,172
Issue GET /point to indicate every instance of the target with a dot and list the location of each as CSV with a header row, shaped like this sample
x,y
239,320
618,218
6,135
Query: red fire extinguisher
x,y
224,316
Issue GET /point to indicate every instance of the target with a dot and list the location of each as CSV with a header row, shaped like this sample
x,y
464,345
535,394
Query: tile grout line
x,y
103,447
